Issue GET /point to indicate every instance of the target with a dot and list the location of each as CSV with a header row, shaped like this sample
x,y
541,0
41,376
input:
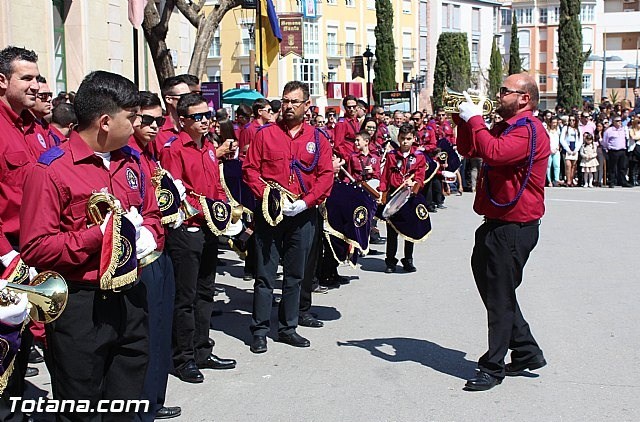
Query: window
x,y
214,50
407,51
542,79
406,6
246,43
334,2
308,71
542,34
475,20
475,54
450,16
246,77
524,59
332,76
586,83
311,43
59,53
332,41
350,3
524,40
524,16
554,14
456,17
371,4
350,45
587,12
445,16
543,15
213,73
587,38
371,39
542,58
505,17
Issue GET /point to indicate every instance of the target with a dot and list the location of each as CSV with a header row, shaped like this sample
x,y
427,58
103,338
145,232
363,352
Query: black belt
x,y
502,222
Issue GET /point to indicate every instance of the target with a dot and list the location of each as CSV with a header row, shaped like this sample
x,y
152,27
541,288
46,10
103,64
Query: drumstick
x,y
404,183
362,184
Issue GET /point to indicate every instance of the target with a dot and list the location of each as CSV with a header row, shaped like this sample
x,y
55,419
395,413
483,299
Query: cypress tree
x,y
570,56
515,64
453,65
385,65
495,70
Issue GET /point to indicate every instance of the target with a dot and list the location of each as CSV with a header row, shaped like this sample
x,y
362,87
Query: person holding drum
x,y
404,169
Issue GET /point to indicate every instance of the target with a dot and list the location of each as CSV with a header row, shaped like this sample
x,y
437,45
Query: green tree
x,y
385,65
453,65
495,70
515,63
570,56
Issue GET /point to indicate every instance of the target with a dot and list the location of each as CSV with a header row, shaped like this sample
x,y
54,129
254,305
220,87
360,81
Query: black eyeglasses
x,y
268,110
147,120
199,116
44,96
294,103
350,106
506,91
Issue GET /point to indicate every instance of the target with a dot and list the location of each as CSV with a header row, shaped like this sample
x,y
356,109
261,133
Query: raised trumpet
x,y
452,99
47,294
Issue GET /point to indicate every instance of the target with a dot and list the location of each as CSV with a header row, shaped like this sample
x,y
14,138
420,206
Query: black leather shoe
x,y
294,339
211,342
407,265
259,344
330,283
482,382
214,362
390,269
307,320
441,206
168,412
321,289
515,368
31,372
190,373
35,356
627,185
432,209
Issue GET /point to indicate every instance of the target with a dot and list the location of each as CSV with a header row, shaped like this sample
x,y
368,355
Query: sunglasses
x,y
44,96
199,116
506,91
147,120
268,110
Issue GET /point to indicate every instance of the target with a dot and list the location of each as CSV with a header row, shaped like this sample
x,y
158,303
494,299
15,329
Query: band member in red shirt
x,y
346,128
99,343
297,156
404,166
442,126
192,246
172,89
510,196
363,165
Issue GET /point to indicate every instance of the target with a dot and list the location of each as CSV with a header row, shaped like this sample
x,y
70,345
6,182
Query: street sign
x,y
396,100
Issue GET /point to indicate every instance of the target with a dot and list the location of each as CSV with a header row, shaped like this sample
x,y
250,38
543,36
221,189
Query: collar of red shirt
x,y
285,129
138,146
168,125
80,150
11,115
186,140
518,116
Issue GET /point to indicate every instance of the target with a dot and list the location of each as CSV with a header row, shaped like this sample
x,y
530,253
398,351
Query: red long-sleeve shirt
x,y
53,215
398,168
246,136
357,162
344,136
507,155
272,153
197,168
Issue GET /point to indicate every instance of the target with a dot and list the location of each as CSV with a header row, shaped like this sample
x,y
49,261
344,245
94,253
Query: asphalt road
x,y
399,347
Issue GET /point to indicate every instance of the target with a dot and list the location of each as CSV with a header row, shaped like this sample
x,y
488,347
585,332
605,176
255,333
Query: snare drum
x,y
396,202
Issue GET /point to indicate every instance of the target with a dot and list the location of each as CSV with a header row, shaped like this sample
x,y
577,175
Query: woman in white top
x,y
554,158
571,141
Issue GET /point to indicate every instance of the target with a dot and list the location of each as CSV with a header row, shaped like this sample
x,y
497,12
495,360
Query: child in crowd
x,y
589,164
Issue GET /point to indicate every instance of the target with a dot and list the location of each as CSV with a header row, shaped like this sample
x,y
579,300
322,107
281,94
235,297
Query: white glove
x,y
145,244
11,314
103,226
136,219
32,273
179,220
6,259
182,191
469,109
295,208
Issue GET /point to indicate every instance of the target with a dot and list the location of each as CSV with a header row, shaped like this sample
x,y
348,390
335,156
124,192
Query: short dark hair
x,y
293,85
349,98
11,54
243,110
189,100
259,104
276,105
149,99
363,104
221,113
103,93
377,110
405,129
364,135
64,115
169,83
188,79
41,79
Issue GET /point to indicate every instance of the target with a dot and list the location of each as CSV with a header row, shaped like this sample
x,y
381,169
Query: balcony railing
x,y
334,50
242,49
351,49
408,53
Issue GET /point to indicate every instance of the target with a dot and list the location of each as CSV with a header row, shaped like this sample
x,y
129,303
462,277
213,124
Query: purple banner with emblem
x,y
212,92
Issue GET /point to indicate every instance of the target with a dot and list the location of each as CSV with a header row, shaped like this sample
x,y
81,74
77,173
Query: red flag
x,y
136,12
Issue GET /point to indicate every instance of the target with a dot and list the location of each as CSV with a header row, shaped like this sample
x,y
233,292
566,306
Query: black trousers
x,y
499,256
194,256
99,347
617,167
161,290
306,287
392,247
16,383
291,239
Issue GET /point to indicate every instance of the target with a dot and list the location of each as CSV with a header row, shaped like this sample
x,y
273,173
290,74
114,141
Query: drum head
x,y
374,183
395,203
449,176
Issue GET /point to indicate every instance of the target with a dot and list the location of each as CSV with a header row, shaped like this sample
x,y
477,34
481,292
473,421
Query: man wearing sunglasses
x,y
191,157
297,157
346,128
38,134
173,88
262,114
510,196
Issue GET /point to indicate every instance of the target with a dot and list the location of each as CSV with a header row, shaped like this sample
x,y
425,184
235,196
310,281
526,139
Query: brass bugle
x,y
451,100
47,294
188,209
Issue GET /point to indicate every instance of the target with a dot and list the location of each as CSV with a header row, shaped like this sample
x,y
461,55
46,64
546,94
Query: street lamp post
x,y
604,59
368,54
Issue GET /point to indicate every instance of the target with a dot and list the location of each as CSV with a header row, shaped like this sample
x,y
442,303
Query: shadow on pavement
x,y
448,361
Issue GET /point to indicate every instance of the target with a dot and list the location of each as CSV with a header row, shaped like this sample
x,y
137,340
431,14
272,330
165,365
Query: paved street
x,y
399,347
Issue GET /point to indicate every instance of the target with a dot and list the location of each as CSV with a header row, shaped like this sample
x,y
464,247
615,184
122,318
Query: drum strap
x,y
532,136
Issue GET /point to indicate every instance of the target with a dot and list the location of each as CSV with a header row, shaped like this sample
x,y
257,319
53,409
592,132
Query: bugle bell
x,y
47,294
451,101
